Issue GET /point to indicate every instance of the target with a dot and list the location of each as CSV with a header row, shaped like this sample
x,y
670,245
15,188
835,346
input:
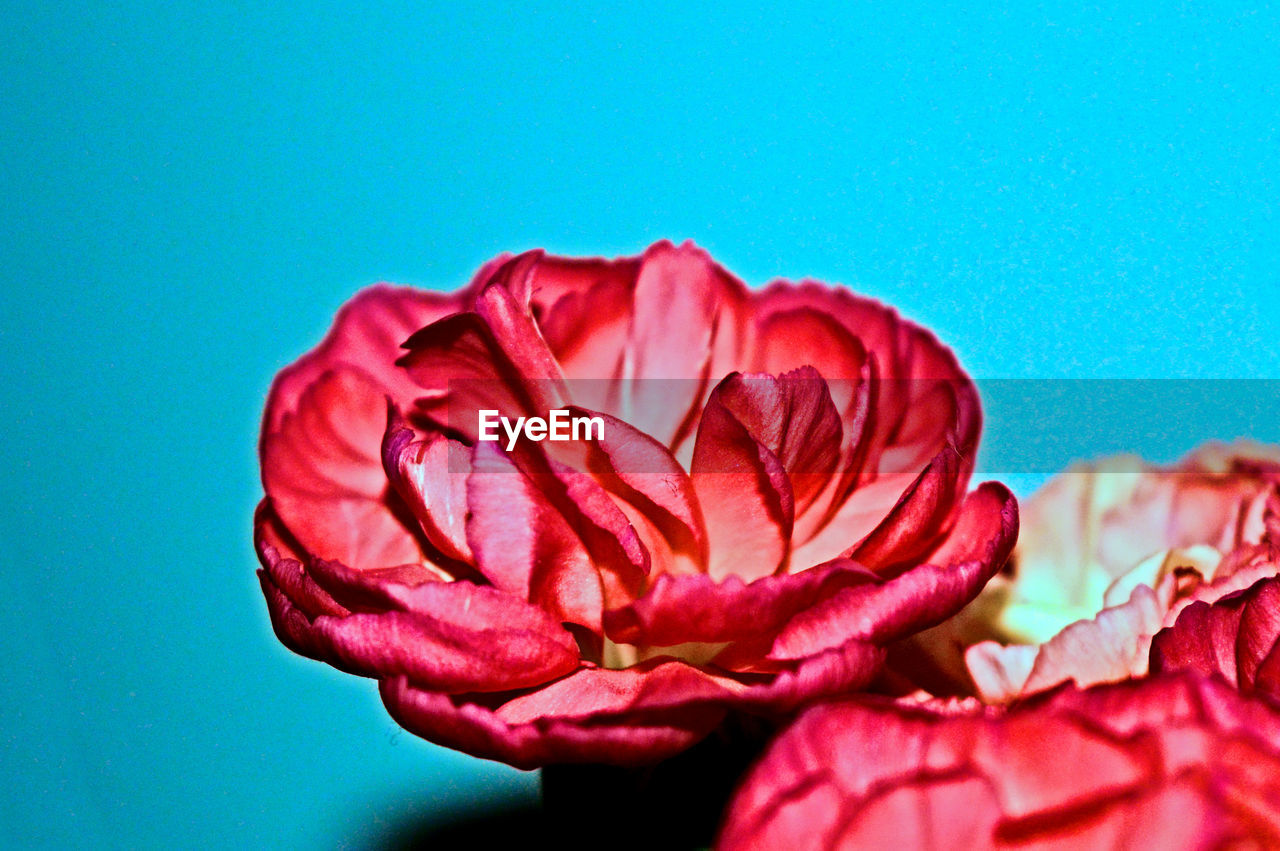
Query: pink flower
x,y
777,492
1168,762
1111,553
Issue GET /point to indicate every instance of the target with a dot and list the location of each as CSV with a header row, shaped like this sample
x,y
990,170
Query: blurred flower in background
x,y
1170,762
1110,553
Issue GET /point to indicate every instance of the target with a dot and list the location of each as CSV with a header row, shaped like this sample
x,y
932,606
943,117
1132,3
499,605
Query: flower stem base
x,y
673,804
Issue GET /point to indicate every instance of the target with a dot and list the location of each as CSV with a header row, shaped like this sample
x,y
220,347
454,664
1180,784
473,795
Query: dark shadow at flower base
x,y
633,825
500,827
676,804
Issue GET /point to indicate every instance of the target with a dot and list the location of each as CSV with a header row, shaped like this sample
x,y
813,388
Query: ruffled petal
x,y
913,525
792,415
322,470
745,494
676,328
452,636
919,598
680,609
583,309
839,670
635,716
521,341
461,369
316,455
366,337
523,545
431,475
643,475
922,396
1110,647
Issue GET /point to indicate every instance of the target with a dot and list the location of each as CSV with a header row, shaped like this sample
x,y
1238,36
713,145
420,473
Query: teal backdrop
x,y
192,189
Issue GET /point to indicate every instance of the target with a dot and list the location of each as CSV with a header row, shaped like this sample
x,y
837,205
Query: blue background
x,y
191,190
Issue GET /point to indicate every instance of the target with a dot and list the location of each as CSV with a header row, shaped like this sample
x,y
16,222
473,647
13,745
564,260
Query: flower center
x,y
618,656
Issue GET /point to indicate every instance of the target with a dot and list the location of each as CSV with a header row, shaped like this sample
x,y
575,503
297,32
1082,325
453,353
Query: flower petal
x,y
642,473
431,477
366,337
680,609
322,470
920,597
922,396
792,415
521,341
745,495
452,636
524,545
1108,648
582,308
594,715
919,517
680,294
462,368
839,670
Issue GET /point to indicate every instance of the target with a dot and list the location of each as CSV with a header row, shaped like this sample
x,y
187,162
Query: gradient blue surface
x,y
191,192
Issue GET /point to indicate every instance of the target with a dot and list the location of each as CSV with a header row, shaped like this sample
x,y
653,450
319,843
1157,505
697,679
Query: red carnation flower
x,y
777,492
1168,762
